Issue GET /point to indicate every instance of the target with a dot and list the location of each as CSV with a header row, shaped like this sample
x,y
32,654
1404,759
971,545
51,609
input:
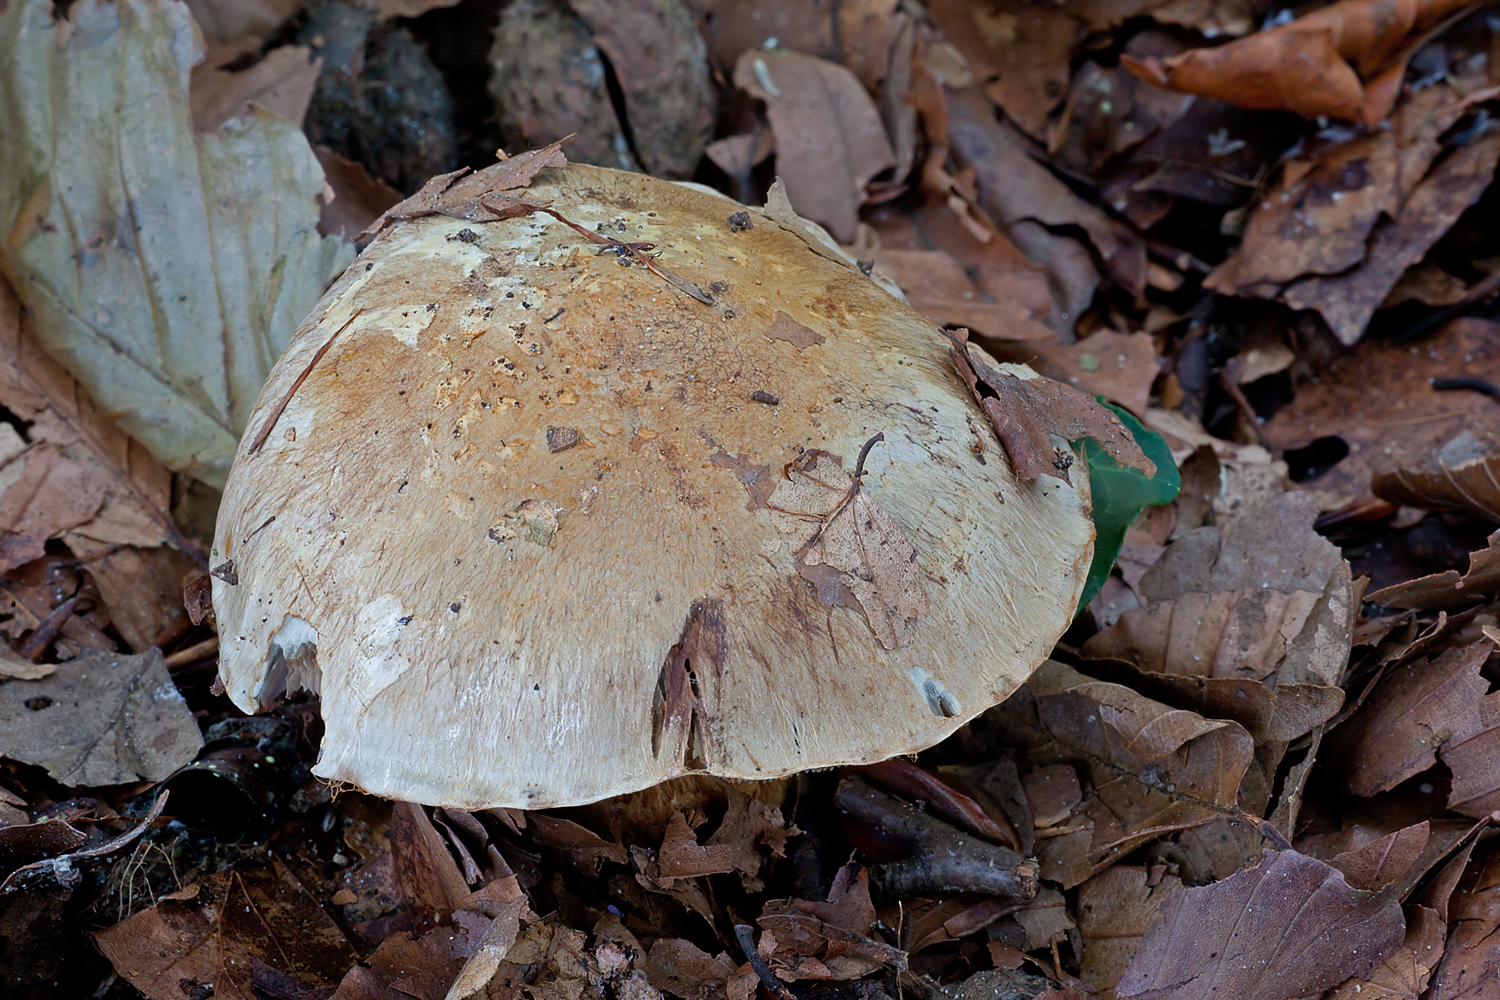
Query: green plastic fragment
x,y
1120,494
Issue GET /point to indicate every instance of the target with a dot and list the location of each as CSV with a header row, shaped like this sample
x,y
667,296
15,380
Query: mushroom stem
x,y
943,859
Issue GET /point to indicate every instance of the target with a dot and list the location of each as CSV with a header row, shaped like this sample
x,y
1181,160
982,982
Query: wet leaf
x,y
220,234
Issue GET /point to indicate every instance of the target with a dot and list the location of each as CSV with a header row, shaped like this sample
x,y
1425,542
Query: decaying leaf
x,y
479,196
1328,62
1115,910
849,547
1250,622
1417,709
1289,927
830,142
1153,768
1034,417
1472,487
165,270
1449,588
102,719
208,938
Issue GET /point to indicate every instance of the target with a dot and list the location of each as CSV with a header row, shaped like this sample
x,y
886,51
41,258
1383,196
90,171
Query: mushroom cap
x,y
513,525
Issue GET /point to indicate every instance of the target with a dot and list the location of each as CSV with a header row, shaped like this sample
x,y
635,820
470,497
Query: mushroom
x,y
629,483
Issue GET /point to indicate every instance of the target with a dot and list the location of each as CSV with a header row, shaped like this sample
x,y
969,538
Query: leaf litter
x,y
1247,766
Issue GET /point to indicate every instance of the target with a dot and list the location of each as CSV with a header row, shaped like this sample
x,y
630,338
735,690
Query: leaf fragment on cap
x,y
855,549
1028,413
477,196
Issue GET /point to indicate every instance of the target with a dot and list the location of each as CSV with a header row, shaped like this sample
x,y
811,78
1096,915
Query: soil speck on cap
x,y
740,221
762,396
561,438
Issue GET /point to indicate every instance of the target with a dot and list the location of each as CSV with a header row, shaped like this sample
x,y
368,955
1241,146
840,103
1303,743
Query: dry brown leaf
x,y
1378,399
1120,367
1032,414
937,286
1468,969
1153,768
830,142
1472,487
463,195
102,719
1029,201
127,489
1324,63
211,933
1004,292
1317,218
1474,759
281,82
143,589
1417,709
1450,588
681,968
1115,909
856,552
1288,927
358,199
1347,301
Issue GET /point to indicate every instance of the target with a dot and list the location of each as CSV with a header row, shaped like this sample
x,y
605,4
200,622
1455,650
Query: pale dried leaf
x,y
170,312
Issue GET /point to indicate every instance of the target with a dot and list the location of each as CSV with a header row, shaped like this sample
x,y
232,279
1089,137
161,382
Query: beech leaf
x,y
1289,927
1033,416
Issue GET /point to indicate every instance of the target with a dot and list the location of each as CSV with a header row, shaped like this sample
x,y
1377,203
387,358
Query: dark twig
x,y
746,937
38,641
1479,385
265,430
944,858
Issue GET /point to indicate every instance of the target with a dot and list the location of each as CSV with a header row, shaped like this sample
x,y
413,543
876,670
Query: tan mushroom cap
x,y
525,481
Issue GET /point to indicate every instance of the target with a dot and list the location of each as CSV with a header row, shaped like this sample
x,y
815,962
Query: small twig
x,y
944,858
859,472
746,937
1479,385
194,653
276,412
635,250
38,641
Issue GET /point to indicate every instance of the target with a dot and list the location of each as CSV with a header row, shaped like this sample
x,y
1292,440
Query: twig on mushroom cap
x,y
944,859
635,250
745,936
276,412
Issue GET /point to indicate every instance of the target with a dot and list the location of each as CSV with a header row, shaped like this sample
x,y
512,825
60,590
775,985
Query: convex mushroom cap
x,y
540,526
